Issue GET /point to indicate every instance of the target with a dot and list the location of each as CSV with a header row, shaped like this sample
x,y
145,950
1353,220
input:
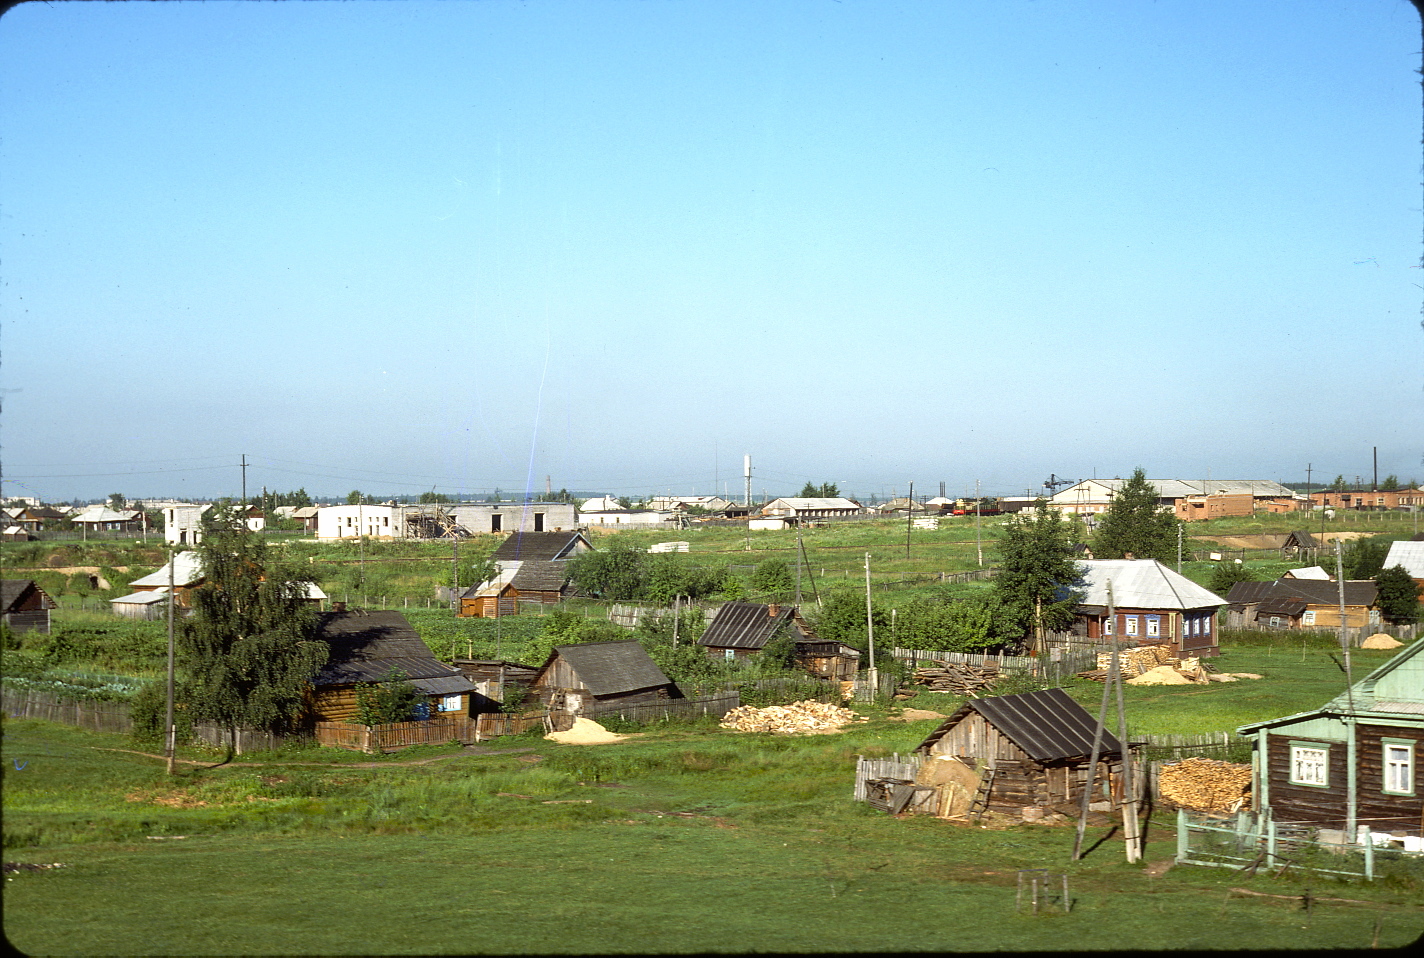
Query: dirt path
x,y
468,753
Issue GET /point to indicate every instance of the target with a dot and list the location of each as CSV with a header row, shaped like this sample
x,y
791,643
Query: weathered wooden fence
x,y
494,724
396,735
248,739
717,704
99,716
1059,663
868,768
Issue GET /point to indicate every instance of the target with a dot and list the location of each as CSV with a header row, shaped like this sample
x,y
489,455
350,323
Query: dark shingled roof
x,y
1048,725
540,545
744,625
541,575
11,590
365,646
1313,591
611,668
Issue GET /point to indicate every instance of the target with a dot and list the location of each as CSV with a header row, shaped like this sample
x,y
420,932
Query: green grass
x,y
678,841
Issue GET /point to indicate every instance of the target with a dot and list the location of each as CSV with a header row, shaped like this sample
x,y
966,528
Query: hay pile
x,y
802,717
1206,784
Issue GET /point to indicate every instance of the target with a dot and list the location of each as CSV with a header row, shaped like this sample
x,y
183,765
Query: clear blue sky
x,y
391,246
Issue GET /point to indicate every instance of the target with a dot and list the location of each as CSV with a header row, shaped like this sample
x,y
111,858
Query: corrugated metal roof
x,y
1313,591
744,625
452,685
1048,725
610,668
1143,584
1408,554
187,569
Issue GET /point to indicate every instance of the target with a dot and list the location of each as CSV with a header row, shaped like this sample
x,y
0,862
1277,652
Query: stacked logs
x,y
956,678
1206,785
807,716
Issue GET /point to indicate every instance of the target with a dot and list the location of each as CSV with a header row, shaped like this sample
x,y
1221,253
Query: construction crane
x,y
1053,482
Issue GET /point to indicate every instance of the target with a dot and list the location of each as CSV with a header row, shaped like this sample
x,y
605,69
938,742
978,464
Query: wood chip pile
x,y
807,716
1206,785
961,679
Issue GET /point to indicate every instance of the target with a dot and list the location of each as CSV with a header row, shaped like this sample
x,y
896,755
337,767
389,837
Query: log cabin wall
x,y
1322,806
1381,811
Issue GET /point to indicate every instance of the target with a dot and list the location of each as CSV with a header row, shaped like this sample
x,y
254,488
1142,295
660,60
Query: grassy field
x,y
684,839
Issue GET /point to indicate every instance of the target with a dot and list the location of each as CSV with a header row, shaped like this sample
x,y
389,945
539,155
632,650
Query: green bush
x,y
149,707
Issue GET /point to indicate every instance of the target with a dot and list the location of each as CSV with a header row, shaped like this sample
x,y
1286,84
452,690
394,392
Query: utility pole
x,y
455,574
1344,639
747,474
909,516
872,673
1091,778
1374,486
978,539
1179,547
1130,823
799,550
170,733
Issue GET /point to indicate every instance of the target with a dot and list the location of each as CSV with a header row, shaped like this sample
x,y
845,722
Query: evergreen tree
x,y
1397,595
826,490
1037,575
1339,485
247,651
1136,524
1227,574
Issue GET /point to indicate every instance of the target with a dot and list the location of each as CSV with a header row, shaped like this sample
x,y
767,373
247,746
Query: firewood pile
x,y
1151,665
961,679
807,716
1206,785
1133,662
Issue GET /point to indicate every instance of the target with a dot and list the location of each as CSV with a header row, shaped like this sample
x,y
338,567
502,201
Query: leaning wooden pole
x,y
170,733
1130,822
1098,730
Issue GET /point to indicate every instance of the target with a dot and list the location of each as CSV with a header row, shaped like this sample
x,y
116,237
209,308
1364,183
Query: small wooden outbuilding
x,y
519,581
1032,748
577,676
24,606
742,629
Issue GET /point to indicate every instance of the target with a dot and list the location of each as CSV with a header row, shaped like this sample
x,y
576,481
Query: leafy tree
x,y
613,573
842,619
1364,558
1135,524
562,627
1397,595
247,651
667,575
1339,485
949,625
1037,575
773,575
826,490
1390,484
432,497
1227,574
563,495
117,502
391,700
354,497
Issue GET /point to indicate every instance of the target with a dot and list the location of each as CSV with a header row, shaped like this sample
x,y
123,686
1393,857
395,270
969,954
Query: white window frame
x,y
1310,764
1397,760
1154,626
1307,617
1129,626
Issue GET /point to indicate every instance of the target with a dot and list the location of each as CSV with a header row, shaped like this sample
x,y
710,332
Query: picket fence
x,y
718,704
396,735
1061,661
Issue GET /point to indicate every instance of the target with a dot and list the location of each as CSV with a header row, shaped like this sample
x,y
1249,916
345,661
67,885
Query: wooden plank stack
x,y
958,678
807,716
1206,785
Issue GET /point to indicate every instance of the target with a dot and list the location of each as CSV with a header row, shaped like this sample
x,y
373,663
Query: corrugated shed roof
x,y
1408,554
187,569
744,625
541,575
610,668
1282,605
1048,725
451,685
540,545
1312,591
1309,572
365,646
1143,584
141,598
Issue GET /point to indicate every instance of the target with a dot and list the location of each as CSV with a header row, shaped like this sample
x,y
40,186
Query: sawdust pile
x,y
920,715
585,732
802,717
1206,784
1381,641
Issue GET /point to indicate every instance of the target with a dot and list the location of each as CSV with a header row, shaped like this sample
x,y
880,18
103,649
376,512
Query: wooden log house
x,y
1037,745
364,648
1354,762
576,678
25,606
742,629
1152,605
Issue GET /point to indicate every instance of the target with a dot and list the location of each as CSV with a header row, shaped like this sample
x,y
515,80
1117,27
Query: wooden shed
x,y
742,629
577,676
364,648
1291,603
543,581
1354,762
24,606
1032,749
